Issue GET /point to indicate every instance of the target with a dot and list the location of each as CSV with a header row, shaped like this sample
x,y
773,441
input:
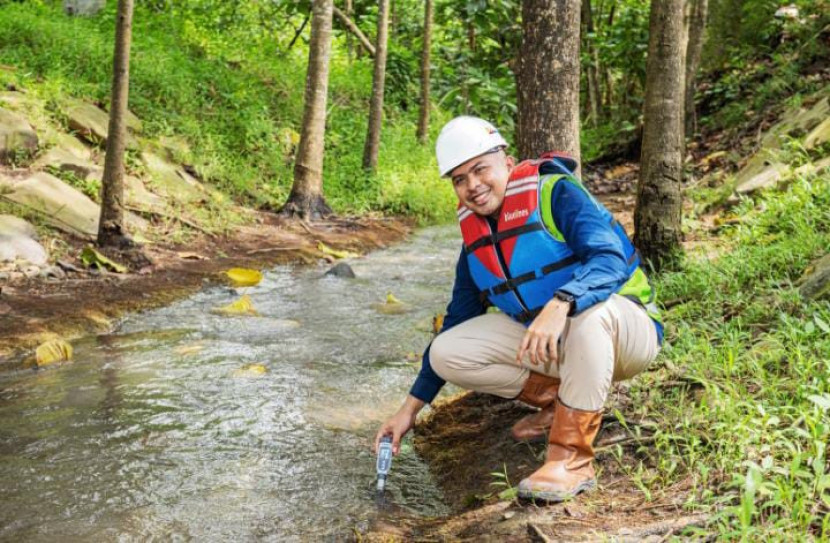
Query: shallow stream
x,y
158,431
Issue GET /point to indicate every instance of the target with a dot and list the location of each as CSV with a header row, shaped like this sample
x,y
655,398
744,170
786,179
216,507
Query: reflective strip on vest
x,y
526,260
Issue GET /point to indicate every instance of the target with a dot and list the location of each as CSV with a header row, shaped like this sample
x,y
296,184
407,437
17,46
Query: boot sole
x,y
556,497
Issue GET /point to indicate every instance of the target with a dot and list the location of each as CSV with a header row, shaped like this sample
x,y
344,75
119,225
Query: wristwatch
x,y
567,298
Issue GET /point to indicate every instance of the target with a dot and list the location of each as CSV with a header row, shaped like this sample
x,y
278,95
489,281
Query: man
x,y
576,311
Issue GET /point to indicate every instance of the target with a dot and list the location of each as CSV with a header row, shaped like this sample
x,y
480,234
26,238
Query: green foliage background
x,y
234,94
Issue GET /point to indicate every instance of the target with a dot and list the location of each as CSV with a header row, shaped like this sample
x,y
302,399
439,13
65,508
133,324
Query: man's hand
x,y
543,333
399,424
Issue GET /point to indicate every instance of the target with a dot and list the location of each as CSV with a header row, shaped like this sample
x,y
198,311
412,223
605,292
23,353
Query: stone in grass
x,y
342,269
815,283
18,242
17,137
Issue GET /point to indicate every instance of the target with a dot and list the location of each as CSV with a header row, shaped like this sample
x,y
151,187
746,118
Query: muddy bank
x,y
466,440
84,302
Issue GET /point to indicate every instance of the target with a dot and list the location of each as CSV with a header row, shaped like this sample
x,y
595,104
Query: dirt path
x,y
85,302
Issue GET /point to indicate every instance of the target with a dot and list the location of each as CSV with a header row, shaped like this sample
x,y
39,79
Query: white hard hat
x,y
464,138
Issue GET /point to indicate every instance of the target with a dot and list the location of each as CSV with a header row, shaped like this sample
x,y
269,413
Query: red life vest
x,y
520,265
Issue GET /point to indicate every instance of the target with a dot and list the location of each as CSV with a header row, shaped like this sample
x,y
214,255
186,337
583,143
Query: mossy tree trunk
x,y
547,81
694,48
657,216
372,147
306,199
423,118
111,231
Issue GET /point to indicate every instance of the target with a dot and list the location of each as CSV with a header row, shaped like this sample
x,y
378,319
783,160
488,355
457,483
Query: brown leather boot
x,y
539,391
568,469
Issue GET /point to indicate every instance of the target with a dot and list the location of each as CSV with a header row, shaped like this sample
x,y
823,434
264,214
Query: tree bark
x,y
594,93
659,202
694,48
349,37
372,147
423,118
353,28
111,230
306,198
547,82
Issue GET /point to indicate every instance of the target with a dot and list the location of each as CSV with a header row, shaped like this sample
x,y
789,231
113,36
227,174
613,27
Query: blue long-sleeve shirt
x,y
590,237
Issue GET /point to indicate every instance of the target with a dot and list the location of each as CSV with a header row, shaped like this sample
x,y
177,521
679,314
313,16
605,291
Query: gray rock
x,y
63,206
54,272
341,269
67,266
16,136
171,180
819,136
9,225
815,283
89,121
66,160
18,247
766,178
83,8
31,271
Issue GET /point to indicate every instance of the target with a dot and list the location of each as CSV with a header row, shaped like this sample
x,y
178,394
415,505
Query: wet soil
x,y
87,301
467,439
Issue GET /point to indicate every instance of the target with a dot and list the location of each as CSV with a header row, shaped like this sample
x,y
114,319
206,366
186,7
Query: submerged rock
x,y
17,137
341,270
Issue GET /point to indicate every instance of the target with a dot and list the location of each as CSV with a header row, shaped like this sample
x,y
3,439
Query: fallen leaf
x,y
90,257
325,249
242,277
437,323
243,306
390,299
56,350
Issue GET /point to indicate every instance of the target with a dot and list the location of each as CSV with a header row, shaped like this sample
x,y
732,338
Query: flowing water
x,y
158,431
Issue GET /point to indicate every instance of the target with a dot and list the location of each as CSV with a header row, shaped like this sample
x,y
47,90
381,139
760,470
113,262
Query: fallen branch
x,y
536,532
272,249
665,528
361,37
182,220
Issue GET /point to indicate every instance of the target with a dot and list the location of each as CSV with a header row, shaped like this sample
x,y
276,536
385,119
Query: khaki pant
x,y
612,341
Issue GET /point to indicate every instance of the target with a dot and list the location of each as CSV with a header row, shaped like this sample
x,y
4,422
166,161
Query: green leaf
x,y
90,257
822,325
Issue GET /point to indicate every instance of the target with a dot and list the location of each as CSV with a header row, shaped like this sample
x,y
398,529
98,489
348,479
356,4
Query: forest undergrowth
x,y
744,395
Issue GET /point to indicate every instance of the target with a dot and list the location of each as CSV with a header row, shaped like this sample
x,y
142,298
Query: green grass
x,y
239,118
750,428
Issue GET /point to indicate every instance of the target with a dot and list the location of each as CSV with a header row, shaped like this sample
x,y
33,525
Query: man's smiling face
x,y
480,182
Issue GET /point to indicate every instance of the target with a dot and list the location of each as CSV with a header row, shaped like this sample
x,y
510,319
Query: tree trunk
x,y
694,48
306,198
111,230
594,94
353,28
423,119
349,37
659,202
548,78
372,147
